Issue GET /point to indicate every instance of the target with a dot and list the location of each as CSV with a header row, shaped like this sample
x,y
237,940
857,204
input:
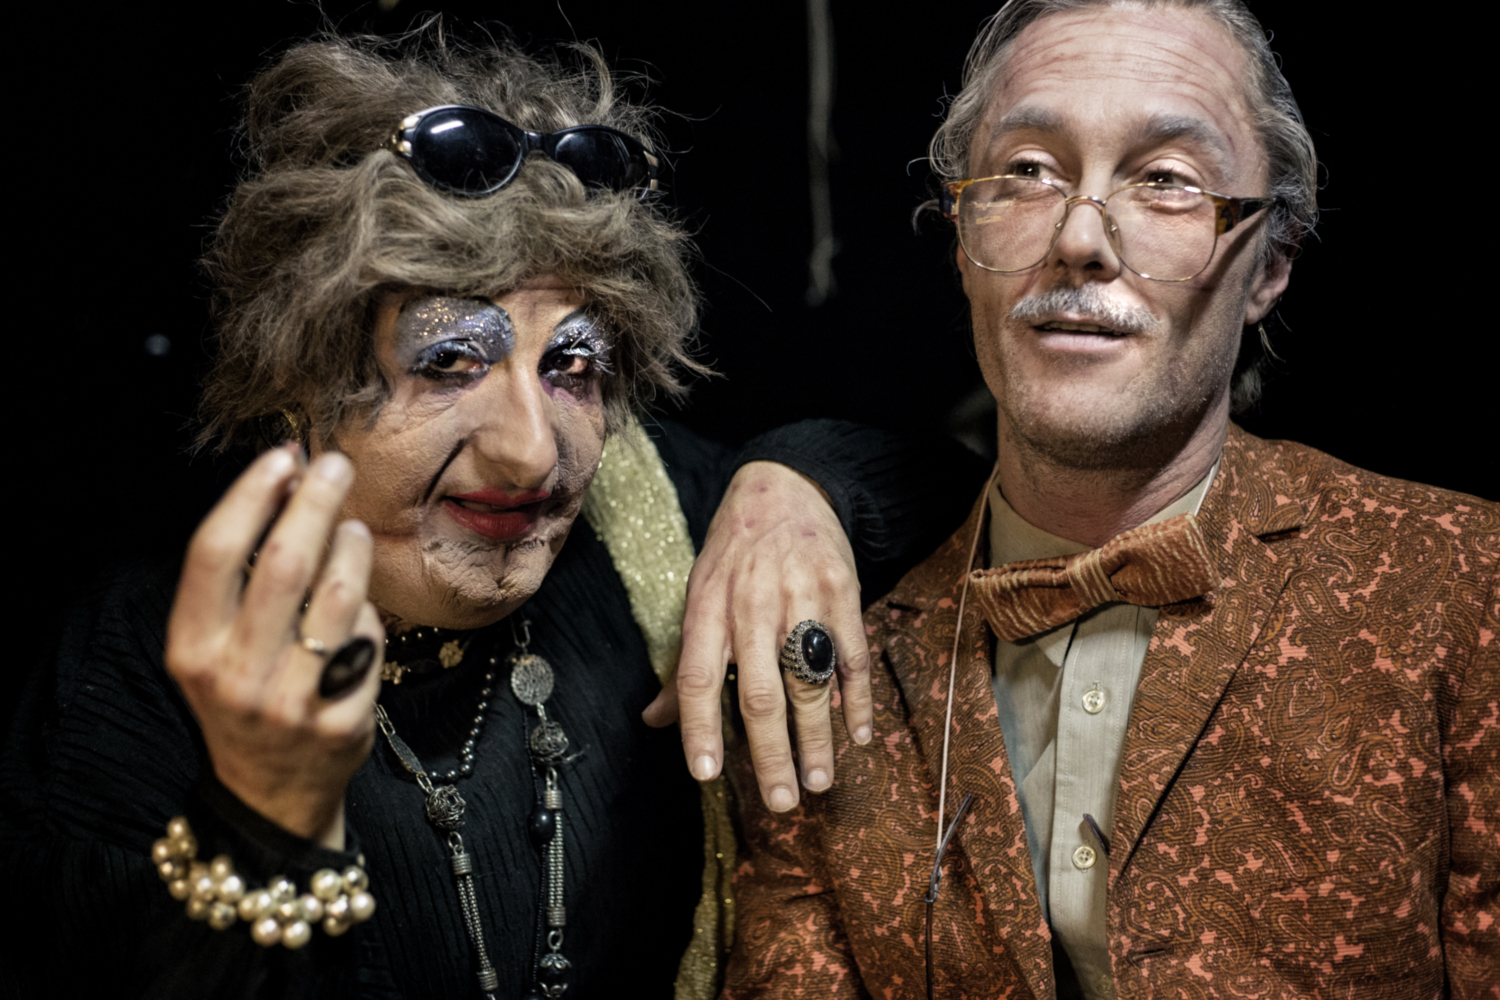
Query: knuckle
x,y
693,681
856,664
339,596
835,576
806,696
282,564
762,702
815,744
771,762
240,698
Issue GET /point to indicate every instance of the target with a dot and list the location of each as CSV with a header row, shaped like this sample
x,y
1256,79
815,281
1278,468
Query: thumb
x,y
663,711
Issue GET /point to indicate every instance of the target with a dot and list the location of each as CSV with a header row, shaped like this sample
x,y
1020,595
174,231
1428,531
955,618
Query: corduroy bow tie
x,y
1152,565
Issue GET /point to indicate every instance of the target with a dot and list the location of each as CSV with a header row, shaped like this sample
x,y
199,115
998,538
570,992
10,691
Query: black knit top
x,y
104,751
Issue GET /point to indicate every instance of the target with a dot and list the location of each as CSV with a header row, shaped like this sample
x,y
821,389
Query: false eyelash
x,y
422,366
580,348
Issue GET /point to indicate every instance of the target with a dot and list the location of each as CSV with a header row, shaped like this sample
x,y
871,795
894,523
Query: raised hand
x,y
775,556
237,649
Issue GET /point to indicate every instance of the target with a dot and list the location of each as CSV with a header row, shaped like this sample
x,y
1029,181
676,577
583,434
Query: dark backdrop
x,y
1387,363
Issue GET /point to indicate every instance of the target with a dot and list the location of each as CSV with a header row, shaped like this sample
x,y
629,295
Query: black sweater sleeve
x,y
898,496
103,751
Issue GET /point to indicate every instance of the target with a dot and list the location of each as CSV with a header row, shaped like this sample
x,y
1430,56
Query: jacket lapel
x,y
1198,645
993,835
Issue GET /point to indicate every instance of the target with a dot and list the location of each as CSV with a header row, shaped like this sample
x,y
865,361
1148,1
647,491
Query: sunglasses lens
x,y
602,158
465,150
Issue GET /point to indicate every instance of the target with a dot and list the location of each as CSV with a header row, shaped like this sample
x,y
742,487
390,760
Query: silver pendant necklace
x,y
531,681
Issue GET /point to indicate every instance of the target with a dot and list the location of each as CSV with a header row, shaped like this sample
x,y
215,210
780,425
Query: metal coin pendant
x,y
530,678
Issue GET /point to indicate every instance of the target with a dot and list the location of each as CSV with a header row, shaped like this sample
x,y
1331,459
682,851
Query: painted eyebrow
x,y
573,316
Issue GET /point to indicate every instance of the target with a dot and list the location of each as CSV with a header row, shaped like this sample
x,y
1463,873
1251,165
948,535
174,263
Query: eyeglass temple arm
x,y
1233,211
937,878
937,862
947,199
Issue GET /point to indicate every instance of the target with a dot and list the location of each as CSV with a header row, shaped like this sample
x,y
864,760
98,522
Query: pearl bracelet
x,y
276,914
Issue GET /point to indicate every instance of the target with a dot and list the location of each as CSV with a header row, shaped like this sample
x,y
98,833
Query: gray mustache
x,y
1087,302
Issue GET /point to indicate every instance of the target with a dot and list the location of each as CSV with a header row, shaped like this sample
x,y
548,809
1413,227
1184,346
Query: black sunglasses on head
x,y
473,152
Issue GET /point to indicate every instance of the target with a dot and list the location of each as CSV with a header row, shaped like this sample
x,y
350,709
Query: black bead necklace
x,y
531,681
445,811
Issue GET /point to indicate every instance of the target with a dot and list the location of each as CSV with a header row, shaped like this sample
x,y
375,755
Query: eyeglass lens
x,y
1158,231
465,152
599,157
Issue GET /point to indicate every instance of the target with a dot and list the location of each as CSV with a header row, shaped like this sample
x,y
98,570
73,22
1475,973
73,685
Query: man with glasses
x,y
1178,712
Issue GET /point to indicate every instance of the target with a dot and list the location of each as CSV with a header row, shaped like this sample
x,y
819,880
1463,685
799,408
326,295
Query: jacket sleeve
x,y
898,496
789,939
102,754
1471,763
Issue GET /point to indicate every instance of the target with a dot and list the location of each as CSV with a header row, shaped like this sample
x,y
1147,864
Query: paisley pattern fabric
x,y
1309,793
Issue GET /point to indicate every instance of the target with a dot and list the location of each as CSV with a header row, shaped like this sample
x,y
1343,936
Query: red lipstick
x,y
512,514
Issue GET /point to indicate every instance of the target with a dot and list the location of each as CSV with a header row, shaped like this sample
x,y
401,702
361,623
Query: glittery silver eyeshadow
x,y
580,336
429,329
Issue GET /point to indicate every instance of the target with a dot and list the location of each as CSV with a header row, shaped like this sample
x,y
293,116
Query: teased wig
x,y
326,217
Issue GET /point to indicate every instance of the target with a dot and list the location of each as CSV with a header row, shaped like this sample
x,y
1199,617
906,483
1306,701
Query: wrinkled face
x,y
473,470
1092,365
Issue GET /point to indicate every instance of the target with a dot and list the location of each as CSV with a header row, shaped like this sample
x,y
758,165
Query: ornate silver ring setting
x,y
808,653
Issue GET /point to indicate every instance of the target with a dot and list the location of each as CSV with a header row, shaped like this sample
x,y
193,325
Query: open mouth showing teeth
x,y
1079,328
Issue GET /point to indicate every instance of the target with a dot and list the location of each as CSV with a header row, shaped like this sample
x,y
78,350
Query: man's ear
x,y
1268,287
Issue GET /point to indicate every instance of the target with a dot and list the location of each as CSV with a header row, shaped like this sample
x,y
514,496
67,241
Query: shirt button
x,y
1084,857
1093,700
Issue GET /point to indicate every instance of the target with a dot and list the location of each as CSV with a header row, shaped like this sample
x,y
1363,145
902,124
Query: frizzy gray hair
x,y
326,218
1277,121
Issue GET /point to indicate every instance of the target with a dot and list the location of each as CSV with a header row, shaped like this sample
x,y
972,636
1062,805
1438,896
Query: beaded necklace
x,y
531,681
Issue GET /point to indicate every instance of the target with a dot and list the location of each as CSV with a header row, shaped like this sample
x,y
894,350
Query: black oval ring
x,y
346,667
808,653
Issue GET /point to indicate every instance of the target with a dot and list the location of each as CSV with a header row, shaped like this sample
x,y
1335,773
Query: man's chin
x,y
1088,435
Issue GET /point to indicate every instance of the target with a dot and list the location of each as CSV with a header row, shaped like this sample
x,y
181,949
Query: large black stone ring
x,y
808,653
346,668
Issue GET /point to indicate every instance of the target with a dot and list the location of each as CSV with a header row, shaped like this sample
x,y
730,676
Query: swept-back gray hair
x,y
326,217
1276,119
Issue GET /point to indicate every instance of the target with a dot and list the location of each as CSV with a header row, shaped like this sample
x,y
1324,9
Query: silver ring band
x,y
808,653
313,646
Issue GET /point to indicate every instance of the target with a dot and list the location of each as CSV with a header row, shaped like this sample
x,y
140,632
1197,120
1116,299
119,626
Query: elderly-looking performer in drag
x,y
360,745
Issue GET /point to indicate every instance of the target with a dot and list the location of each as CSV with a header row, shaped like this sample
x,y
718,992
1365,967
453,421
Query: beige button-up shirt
x,y
1064,698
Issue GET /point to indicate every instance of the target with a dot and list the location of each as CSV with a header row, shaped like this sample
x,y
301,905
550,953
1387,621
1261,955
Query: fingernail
x,y
334,468
705,767
816,780
782,799
862,735
279,463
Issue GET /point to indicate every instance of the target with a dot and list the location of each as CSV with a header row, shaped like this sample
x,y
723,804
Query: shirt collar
x,y
1012,538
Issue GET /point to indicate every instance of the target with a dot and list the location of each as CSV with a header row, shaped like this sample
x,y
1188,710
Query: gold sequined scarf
x,y
633,508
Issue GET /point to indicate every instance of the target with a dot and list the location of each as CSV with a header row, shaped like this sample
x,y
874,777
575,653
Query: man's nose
x,y
1083,243
514,433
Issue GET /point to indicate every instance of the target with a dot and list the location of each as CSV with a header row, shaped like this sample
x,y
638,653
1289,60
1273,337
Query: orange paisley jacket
x,y
1309,792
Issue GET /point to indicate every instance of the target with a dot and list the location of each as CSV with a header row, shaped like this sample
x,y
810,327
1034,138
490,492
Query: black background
x,y
123,148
